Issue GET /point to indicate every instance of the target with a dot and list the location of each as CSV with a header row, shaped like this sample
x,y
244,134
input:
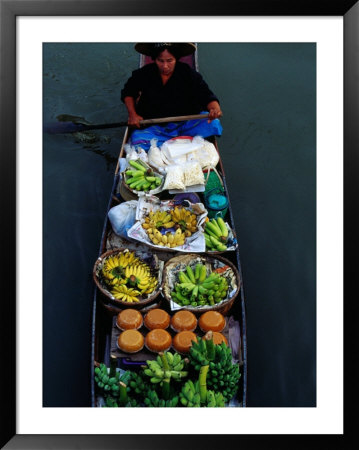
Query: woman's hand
x,y
214,111
134,119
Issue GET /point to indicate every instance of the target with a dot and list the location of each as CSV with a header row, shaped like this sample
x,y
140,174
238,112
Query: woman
x,y
168,88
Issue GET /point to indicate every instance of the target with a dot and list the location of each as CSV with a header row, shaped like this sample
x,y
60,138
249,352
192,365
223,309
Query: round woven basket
x,y
179,263
132,192
126,193
96,273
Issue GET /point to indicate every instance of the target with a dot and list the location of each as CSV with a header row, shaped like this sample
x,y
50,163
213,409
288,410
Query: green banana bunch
x,y
114,385
152,400
202,352
216,235
137,386
190,396
141,178
195,288
223,375
109,384
166,366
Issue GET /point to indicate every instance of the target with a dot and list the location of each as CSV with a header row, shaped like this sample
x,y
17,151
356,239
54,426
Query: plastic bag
x,y
122,217
155,156
193,174
206,154
174,178
132,153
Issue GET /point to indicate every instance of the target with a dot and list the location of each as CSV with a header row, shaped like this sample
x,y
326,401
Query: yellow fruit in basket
x,y
170,238
164,239
125,294
114,266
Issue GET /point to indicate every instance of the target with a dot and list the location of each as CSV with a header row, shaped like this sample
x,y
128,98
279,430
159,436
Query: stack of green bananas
x,y
137,386
113,386
195,288
106,382
190,396
153,400
159,370
141,178
223,375
216,235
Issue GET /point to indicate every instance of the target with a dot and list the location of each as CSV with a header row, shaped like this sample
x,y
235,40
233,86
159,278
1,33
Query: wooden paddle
x,y
72,127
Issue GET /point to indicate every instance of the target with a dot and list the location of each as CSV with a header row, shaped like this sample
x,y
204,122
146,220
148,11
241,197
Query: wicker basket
x,y
126,193
132,192
179,263
113,310
119,303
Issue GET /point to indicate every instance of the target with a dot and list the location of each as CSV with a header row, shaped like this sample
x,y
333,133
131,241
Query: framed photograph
x,y
278,75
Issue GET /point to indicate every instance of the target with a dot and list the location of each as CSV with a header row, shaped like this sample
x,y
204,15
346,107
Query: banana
x,y
169,357
169,224
190,274
137,165
222,226
158,235
202,274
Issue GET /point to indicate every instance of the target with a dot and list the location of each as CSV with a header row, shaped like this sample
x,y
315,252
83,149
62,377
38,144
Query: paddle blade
x,y
63,127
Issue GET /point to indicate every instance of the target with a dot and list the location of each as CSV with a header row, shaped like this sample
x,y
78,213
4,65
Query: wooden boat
x,y
105,311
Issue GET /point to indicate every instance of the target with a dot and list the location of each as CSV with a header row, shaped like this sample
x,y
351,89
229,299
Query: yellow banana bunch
x,y
126,294
114,266
178,217
140,277
179,238
169,240
185,219
127,276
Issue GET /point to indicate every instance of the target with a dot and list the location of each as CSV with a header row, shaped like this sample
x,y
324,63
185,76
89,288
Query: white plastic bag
x,y
155,156
174,178
206,154
132,153
193,174
122,217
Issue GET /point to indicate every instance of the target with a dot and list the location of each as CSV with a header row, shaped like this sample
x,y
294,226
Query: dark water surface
x,y
268,96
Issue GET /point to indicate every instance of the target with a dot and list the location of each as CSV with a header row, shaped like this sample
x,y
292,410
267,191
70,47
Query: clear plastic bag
x,y
155,158
132,153
174,178
193,174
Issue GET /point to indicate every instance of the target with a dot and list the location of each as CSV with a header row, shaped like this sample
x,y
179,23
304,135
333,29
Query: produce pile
x,y
142,177
207,378
170,228
216,235
127,277
197,288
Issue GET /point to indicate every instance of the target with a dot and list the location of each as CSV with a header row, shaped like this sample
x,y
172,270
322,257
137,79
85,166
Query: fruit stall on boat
x,y
169,323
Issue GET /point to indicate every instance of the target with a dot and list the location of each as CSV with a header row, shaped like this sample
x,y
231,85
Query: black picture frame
x,y
9,10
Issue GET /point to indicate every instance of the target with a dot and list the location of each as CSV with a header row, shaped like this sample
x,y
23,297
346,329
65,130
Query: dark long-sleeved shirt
x,y
185,92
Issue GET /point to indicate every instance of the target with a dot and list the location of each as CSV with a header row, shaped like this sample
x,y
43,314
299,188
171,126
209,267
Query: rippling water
x,y
267,93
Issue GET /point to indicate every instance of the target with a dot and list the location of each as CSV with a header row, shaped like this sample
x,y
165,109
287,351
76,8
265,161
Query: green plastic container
x,y
216,203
